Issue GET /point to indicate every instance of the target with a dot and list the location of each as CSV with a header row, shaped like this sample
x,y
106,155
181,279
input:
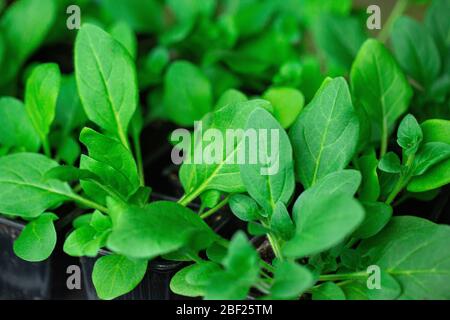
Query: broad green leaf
x,y
328,291
323,223
125,36
230,96
342,182
159,228
241,271
434,130
37,240
325,135
16,130
409,135
192,280
69,150
142,16
413,251
111,162
271,179
244,207
415,50
69,174
430,154
23,174
24,26
355,290
41,94
187,93
77,241
390,288
438,24
106,80
390,163
115,275
287,104
339,38
290,280
69,111
281,222
377,216
379,87
370,185
223,174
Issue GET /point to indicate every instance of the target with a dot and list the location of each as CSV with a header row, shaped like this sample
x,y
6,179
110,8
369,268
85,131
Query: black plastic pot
x,y
154,286
19,279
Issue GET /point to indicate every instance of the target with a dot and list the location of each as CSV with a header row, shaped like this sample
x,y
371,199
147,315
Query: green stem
x,y
188,198
384,139
402,181
46,146
88,203
138,152
275,246
397,11
219,206
267,266
343,276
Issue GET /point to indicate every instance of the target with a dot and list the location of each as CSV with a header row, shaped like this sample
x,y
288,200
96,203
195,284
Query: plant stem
x,y
397,11
343,276
384,139
219,206
267,266
275,246
88,203
402,180
46,146
188,198
138,154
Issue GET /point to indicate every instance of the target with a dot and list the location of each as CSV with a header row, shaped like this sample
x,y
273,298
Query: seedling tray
x,y
19,279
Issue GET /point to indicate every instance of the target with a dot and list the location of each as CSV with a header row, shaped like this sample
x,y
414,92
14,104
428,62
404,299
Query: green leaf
x,y
339,38
438,25
390,288
290,280
159,228
69,111
415,50
434,130
370,185
323,223
37,240
106,80
23,174
187,93
115,275
325,135
77,241
328,291
122,32
377,216
241,271
41,94
271,179
16,129
142,16
287,104
281,222
69,150
24,25
111,162
409,135
230,96
69,174
413,251
430,154
224,174
244,207
192,280
379,87
390,163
